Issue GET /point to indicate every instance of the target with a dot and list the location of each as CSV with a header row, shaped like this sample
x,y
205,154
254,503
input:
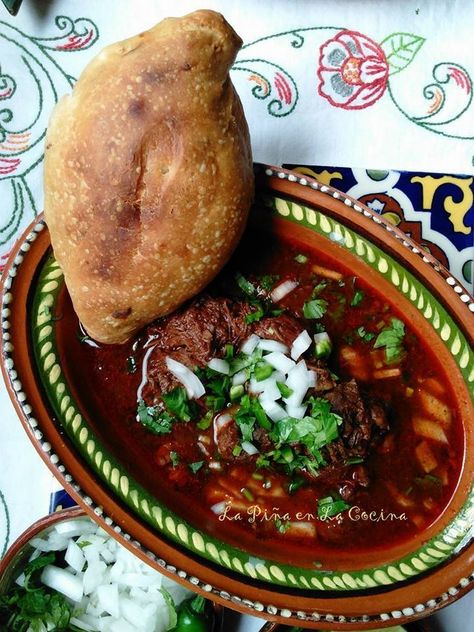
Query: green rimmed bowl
x,y
56,419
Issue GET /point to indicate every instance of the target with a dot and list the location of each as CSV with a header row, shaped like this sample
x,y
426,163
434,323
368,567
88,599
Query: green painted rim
x,y
437,550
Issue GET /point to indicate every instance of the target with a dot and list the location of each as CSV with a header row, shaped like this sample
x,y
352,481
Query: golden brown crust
x,y
148,174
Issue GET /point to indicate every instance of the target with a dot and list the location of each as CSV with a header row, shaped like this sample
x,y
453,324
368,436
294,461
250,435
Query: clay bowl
x,y
374,590
18,553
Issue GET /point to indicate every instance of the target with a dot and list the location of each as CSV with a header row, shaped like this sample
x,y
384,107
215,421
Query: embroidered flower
x,y
353,71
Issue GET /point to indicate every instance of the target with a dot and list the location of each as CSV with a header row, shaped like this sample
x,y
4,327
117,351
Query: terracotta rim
x,y
245,596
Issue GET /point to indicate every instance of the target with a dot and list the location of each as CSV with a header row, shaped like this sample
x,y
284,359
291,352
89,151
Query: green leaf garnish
x,y
195,467
366,336
174,458
328,507
391,337
315,308
301,258
357,298
154,418
267,281
247,288
282,526
178,404
285,390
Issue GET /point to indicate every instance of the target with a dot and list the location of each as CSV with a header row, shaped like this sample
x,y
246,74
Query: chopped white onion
x,y
121,595
188,379
273,409
218,365
297,412
219,508
323,335
219,422
298,381
300,344
280,361
249,447
272,345
249,345
74,556
240,378
312,377
268,387
63,581
281,290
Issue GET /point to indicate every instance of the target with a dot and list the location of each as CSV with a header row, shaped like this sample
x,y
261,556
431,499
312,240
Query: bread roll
x,y
148,174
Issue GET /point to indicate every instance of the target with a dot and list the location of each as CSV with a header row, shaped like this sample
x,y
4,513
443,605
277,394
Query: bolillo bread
x,y
148,174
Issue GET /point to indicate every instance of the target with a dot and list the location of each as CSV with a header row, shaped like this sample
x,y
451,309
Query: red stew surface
x,y
388,473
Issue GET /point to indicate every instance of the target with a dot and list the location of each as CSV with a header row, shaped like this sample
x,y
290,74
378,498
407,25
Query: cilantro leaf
x,y
247,288
357,298
154,418
391,337
301,258
314,309
328,507
195,467
178,404
267,281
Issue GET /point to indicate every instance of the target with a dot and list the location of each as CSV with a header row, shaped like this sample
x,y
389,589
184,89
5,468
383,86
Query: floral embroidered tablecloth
x,y
374,98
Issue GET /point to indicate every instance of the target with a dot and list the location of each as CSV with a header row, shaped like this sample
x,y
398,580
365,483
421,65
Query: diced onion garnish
x,y
281,290
272,345
280,361
240,378
249,447
273,409
219,508
220,421
300,344
124,595
218,365
298,381
63,581
193,385
249,345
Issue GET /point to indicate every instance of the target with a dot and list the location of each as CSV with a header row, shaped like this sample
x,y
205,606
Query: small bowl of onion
x,y
66,573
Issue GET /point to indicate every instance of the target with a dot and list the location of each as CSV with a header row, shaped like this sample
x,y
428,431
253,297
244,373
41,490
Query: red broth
x,y
412,470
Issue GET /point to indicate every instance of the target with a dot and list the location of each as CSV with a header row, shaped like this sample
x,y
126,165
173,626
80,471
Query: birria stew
x,y
288,406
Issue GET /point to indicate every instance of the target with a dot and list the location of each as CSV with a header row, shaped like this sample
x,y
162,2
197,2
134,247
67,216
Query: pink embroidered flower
x,y
353,71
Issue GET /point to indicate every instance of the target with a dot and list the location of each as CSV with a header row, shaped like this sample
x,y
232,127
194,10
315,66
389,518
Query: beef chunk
x,y
359,426
196,333
324,379
284,328
226,436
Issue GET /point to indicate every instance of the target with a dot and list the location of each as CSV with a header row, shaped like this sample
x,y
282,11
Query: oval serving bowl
x,y
307,211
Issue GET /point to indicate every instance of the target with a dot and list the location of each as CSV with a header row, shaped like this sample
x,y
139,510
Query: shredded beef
x,y
196,333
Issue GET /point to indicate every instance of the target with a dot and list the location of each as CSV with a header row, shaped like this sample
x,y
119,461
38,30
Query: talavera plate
x,y
404,582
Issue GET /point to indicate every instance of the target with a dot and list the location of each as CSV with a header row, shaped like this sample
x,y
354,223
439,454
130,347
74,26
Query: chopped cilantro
x,y
391,337
285,390
262,371
313,432
318,289
174,458
236,450
154,418
205,422
329,507
315,308
301,258
357,298
282,526
366,336
195,467
178,404
256,315
295,484
267,281
229,351
247,288
352,460
34,606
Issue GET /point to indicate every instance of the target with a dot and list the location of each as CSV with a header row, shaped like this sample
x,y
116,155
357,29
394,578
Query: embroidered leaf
x,y
400,50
